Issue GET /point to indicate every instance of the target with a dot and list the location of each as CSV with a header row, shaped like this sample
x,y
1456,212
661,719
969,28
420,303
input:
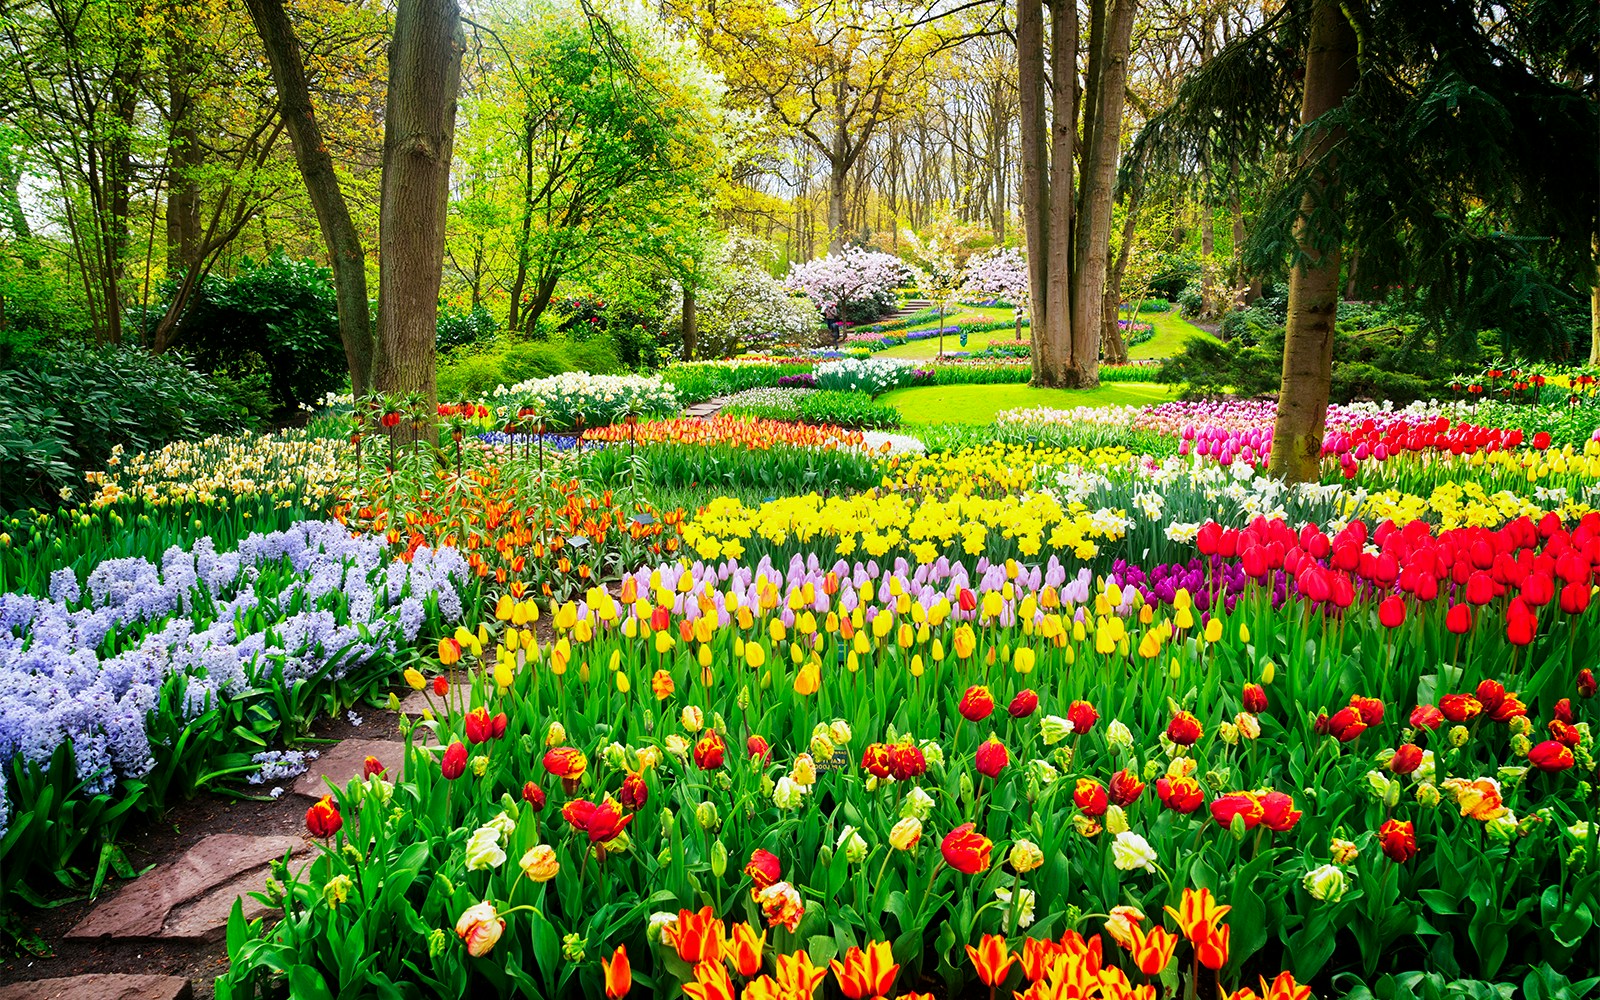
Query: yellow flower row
x,y
999,466
292,464
877,522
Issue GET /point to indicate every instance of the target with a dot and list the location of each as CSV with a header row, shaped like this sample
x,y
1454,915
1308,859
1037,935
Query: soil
x,y
156,843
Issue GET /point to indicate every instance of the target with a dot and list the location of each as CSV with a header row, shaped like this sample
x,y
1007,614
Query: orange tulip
x,y
711,982
697,936
1152,952
992,959
1211,945
1197,910
1282,988
746,948
1038,957
618,973
867,973
797,976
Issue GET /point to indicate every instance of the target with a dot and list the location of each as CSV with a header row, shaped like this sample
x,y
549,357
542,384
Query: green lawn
x,y
1171,331
978,404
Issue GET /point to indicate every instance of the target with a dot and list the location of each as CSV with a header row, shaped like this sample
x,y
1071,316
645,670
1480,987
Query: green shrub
x,y
1371,364
779,470
474,373
696,381
457,327
278,317
1154,306
848,409
62,417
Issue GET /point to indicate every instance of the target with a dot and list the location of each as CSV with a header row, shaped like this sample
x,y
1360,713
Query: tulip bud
x,y
706,815
719,858
853,845
904,835
1116,820
917,804
1229,733
1343,851
1428,794
1118,735
1459,736
1236,825
1026,856
1326,883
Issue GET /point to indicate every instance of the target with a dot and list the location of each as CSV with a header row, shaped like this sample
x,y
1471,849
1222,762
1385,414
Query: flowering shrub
x,y
855,285
999,274
573,398
872,376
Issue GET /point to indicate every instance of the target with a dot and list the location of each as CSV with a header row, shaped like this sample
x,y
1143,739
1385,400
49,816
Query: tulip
x,y
868,973
1083,716
1024,704
1460,708
540,863
478,725
1458,619
1152,952
711,982
966,850
1587,685
1407,758
480,927
1090,796
454,763
1125,787
1180,794
697,937
763,868
449,653
441,685
991,757
746,947
991,959
758,748
1211,945
323,819
370,767
905,834
1344,725
1254,699
875,760
617,973
1551,755
533,795
976,704
566,763
709,751
781,904
1184,729
1398,840
1392,611
635,793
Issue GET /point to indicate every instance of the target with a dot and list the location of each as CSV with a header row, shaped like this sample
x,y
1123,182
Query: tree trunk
x,y
184,158
1594,307
691,323
1035,189
515,313
1059,330
838,178
1314,282
119,181
345,254
1100,168
1110,331
419,132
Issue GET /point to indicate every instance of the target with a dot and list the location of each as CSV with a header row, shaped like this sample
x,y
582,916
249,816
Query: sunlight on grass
x,y
978,404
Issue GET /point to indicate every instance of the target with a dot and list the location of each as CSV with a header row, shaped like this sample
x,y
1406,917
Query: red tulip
x,y
1278,811
1344,725
991,757
1458,619
966,850
455,760
1392,611
323,819
1407,758
764,868
1255,699
1460,707
1426,717
1242,804
1184,729
533,795
1398,840
1551,755
1521,623
635,793
875,760
1370,709
907,761
372,766
709,752
1024,704
1125,787
478,725
757,747
1090,796
976,704
1586,683
1082,716
1575,598
1181,794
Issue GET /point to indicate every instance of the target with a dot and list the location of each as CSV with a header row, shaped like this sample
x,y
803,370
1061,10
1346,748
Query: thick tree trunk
x,y
691,323
838,178
1314,282
184,158
345,253
419,132
1035,189
1059,294
1100,168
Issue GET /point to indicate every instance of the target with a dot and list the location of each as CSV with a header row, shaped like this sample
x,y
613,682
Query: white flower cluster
x,y
870,375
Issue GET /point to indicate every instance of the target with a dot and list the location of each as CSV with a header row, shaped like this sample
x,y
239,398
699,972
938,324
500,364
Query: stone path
x,y
706,408
346,760
101,986
190,898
